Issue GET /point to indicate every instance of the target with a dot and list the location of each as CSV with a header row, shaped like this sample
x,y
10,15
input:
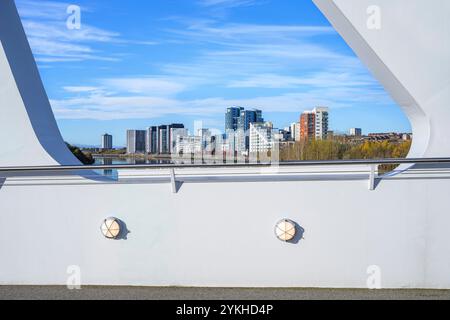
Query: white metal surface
x,y
221,234
28,131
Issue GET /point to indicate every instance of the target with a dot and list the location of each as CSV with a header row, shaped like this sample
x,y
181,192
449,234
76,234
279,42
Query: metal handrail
x,y
224,165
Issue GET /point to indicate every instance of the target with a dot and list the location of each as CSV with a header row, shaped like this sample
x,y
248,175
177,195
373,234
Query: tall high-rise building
x,y
136,141
231,143
307,125
285,134
295,131
107,142
218,145
206,137
261,137
249,116
231,117
237,126
246,118
176,135
356,132
165,137
152,140
314,124
321,126
187,145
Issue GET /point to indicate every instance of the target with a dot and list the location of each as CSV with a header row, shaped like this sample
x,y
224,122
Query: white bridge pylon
x,y
29,135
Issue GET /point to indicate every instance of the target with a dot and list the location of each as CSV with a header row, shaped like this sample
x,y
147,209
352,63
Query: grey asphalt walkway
x,y
141,293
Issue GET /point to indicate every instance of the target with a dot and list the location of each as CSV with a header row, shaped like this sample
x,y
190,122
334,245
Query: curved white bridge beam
x,y
29,134
406,46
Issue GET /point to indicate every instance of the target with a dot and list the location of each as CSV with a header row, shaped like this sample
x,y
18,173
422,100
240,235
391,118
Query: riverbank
x,y
134,156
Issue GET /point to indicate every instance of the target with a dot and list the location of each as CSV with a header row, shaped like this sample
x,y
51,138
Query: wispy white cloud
x,y
58,30
207,30
283,66
81,89
102,107
320,80
235,35
246,57
44,9
48,50
154,86
103,103
228,3
51,41
220,9
239,50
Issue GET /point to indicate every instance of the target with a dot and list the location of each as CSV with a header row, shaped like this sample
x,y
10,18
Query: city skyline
x,y
239,125
176,138
312,124
246,132
131,65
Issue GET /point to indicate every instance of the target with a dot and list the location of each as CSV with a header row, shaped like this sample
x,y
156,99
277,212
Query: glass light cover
x,y
285,230
111,228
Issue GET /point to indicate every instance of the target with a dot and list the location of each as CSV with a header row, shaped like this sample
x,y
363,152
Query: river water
x,y
112,161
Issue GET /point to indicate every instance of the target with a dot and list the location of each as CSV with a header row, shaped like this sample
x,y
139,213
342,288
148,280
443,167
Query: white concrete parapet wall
x,y
222,233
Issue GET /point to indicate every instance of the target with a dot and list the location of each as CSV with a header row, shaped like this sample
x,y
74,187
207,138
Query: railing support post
x,y
373,176
173,181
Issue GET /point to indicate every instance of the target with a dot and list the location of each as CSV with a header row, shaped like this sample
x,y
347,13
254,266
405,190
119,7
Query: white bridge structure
x,y
214,226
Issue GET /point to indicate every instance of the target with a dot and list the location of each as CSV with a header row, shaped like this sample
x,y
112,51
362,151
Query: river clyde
x,y
112,173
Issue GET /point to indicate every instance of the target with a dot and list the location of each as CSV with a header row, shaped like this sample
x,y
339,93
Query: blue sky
x,y
138,63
